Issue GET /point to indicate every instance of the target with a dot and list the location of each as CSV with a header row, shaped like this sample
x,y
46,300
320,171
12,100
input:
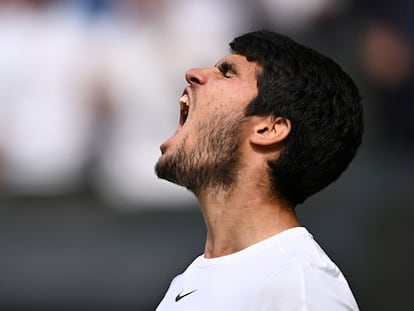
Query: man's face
x,y
205,150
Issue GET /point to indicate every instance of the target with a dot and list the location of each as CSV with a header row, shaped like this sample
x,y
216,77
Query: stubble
x,y
212,164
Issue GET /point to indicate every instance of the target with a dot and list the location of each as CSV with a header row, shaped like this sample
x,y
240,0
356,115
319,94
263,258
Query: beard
x,y
213,163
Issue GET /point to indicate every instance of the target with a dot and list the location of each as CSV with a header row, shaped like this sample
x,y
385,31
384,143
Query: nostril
x,y
194,80
195,76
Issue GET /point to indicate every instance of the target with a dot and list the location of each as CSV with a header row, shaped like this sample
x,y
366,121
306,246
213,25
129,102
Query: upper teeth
x,y
184,100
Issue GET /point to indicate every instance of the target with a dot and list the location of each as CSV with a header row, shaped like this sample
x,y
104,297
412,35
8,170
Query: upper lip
x,y
186,91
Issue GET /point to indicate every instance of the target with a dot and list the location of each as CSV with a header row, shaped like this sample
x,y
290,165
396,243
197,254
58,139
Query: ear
x,y
269,130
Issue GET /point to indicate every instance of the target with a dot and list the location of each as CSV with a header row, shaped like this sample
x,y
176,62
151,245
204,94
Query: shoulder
x,y
308,278
299,286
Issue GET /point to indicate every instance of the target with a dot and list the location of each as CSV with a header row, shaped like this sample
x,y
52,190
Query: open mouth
x,y
184,103
184,108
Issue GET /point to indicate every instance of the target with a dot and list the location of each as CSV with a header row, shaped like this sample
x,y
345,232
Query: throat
x,y
232,228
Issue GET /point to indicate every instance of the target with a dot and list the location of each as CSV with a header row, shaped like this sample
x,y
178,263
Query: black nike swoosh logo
x,y
179,296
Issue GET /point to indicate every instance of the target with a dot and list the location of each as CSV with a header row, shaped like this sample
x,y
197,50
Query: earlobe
x,y
270,130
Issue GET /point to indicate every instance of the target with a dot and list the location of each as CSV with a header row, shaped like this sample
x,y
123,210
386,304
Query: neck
x,y
238,219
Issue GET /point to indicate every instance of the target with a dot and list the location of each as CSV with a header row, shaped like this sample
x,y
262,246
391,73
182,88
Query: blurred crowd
x,y
89,89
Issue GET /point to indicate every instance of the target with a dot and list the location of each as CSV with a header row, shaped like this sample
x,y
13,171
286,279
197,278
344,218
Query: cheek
x,y
240,98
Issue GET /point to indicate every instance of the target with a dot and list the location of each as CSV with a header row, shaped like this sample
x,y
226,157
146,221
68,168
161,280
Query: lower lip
x,y
168,142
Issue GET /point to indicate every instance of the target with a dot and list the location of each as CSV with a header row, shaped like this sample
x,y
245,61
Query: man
x,y
271,124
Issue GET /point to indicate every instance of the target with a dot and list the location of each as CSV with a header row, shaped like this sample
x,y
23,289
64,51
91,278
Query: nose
x,y
196,76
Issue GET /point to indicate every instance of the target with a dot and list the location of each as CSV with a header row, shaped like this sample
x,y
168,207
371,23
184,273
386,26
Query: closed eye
x,y
226,68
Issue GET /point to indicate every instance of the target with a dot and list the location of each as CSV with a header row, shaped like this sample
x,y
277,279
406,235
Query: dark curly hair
x,y
320,100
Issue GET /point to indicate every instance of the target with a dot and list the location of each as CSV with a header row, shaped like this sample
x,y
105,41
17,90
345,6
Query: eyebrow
x,y
227,66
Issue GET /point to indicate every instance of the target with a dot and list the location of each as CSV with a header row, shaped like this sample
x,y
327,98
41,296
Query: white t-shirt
x,y
288,271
